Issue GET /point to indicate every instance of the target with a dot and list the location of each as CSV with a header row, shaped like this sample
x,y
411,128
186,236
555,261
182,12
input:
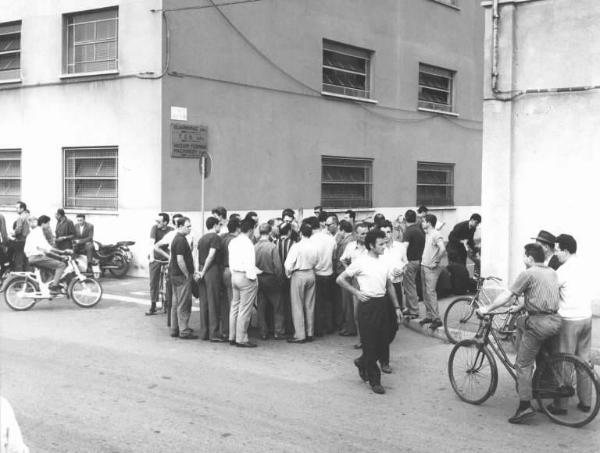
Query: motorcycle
x,y
22,290
112,257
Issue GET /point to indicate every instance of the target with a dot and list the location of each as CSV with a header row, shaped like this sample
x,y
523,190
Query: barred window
x,y
435,88
10,176
346,70
346,182
435,184
91,178
10,51
91,41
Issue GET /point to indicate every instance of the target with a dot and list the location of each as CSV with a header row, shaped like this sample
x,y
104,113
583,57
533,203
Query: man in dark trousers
x,y
83,242
65,231
462,231
374,285
210,260
21,230
415,239
158,231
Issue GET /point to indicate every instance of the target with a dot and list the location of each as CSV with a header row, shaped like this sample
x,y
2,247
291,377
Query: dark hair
x,y
387,224
567,242
21,205
43,219
323,216
312,221
318,208
285,228
181,221
251,214
345,226
351,214
422,209
306,230
164,216
361,225
378,219
235,216
476,217
247,225
334,218
410,216
431,219
60,212
81,216
288,212
220,211
536,251
233,225
264,229
372,237
211,222
175,217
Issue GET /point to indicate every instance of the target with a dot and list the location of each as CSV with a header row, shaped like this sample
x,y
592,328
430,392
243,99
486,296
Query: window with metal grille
x,y
91,41
10,176
10,51
435,88
346,182
91,178
435,184
346,70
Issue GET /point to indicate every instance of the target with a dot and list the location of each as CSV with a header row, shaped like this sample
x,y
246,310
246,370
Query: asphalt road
x,y
109,379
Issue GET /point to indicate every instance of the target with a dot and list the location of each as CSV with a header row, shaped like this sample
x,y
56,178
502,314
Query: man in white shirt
x,y
374,282
430,270
575,309
242,262
325,245
37,249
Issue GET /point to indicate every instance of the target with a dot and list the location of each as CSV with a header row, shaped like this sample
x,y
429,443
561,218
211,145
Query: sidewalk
x,y
440,334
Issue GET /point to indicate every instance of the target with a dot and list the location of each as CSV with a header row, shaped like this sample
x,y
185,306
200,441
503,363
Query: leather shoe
x,y
362,372
522,415
345,333
296,340
188,337
232,343
556,410
386,368
583,407
422,322
218,340
175,334
435,324
377,388
309,339
264,337
279,337
247,344
151,312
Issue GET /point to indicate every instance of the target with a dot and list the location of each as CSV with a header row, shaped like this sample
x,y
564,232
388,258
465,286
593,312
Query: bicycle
x,y
460,321
22,290
162,284
566,389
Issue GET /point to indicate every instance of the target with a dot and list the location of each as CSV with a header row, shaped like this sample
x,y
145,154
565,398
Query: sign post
x,y
205,167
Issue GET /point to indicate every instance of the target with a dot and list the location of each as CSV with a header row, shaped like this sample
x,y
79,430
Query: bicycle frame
x,y
485,332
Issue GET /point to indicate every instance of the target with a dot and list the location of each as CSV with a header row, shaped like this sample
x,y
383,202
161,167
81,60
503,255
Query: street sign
x,y
188,140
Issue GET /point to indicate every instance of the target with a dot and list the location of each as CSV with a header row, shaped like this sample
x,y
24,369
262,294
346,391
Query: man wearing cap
x,y
547,241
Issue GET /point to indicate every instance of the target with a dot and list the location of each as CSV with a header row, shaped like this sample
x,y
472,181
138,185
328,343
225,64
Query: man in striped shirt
x,y
283,244
540,286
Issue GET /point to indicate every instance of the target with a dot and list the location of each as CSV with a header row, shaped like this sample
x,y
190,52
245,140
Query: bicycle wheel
x,y
162,289
86,293
18,295
567,390
460,320
472,371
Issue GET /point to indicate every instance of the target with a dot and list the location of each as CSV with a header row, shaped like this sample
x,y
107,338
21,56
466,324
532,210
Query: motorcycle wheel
x,y
86,293
18,294
122,264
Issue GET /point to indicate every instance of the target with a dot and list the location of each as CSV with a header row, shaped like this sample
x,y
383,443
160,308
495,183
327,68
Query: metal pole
x,y
202,173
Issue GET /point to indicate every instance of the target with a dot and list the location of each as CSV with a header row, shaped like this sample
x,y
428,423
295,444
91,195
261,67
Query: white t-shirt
x,y
575,296
395,257
325,244
371,274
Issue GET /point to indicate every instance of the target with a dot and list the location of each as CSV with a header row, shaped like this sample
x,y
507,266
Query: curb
x,y
441,335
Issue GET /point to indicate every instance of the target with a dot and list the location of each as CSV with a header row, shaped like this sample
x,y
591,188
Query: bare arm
x,y
344,281
182,266
209,259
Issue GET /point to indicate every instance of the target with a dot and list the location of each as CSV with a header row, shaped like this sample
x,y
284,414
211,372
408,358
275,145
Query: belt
x,y
539,313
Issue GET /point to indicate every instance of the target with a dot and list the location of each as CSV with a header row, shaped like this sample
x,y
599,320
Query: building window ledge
x,y
449,5
88,211
9,81
441,112
89,74
350,98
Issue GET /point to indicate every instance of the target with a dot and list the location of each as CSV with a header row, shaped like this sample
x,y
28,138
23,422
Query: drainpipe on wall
x,y
495,20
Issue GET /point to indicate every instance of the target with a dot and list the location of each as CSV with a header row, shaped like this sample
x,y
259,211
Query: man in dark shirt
x,y
415,238
462,231
157,232
210,260
233,229
65,231
181,273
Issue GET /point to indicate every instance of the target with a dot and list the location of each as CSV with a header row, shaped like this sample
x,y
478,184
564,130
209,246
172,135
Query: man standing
x,y
348,328
210,278
430,270
84,239
373,277
269,284
547,241
233,230
220,213
157,232
65,231
21,230
325,245
575,309
181,272
299,267
242,261
414,238
284,243
462,231
540,286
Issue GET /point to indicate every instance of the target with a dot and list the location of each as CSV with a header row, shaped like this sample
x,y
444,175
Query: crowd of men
x,y
288,269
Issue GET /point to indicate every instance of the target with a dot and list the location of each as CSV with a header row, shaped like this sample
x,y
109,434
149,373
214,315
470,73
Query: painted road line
x,y
133,300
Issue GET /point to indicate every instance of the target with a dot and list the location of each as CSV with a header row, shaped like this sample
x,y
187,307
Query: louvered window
x,y
346,70
10,176
435,88
346,182
435,184
91,178
10,51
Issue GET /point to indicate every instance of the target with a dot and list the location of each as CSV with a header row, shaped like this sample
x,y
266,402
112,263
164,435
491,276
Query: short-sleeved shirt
x,y
180,246
432,252
371,274
416,242
156,234
540,286
207,242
